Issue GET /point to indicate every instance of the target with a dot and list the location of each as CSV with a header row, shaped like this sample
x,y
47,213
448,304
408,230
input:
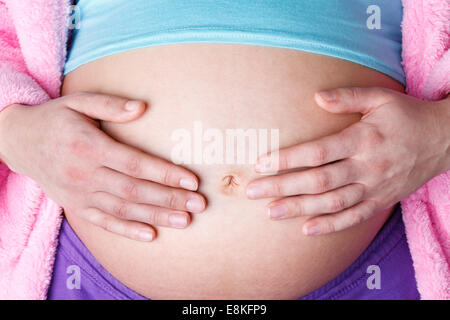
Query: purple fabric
x,y
389,252
95,282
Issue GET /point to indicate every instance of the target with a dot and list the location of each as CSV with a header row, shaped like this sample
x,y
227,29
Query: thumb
x,y
105,107
352,100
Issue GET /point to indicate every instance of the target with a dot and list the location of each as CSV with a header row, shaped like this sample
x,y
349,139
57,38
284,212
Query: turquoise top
x,y
353,30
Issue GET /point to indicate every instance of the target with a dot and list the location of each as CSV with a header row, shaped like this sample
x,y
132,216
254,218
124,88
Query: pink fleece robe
x,y
33,38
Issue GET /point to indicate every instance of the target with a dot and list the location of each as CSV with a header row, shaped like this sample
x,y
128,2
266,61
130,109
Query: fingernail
x,y
188,184
255,192
327,96
277,211
195,205
311,231
132,105
178,220
145,236
263,165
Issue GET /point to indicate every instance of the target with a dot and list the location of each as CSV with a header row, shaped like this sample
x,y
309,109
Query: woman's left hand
x,y
399,144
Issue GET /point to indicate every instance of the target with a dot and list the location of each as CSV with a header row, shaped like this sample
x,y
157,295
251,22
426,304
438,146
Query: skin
x,y
399,144
341,200
344,193
233,250
243,244
87,172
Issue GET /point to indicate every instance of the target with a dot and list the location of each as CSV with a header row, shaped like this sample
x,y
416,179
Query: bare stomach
x,y
232,250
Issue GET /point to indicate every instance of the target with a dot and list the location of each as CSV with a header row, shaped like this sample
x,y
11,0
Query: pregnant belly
x,y
232,250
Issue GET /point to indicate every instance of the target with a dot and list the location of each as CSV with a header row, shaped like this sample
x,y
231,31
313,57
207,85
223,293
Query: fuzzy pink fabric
x,y
33,37
426,213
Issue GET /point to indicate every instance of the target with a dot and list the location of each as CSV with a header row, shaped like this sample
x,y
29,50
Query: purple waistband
x,y
383,271
77,275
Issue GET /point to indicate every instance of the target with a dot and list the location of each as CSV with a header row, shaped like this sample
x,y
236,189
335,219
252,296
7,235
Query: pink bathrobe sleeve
x,y
426,213
33,38
32,42
16,84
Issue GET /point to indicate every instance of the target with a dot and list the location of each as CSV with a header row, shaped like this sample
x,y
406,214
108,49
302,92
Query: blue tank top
x,y
366,32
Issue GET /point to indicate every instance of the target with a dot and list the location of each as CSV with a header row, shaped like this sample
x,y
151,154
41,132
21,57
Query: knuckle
x,y
355,218
278,188
319,155
166,175
152,215
354,93
171,200
75,175
329,226
373,137
120,210
133,166
130,190
299,208
381,166
284,161
108,224
80,147
360,191
108,101
321,181
337,204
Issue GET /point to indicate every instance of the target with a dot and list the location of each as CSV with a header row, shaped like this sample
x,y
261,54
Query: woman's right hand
x,y
60,146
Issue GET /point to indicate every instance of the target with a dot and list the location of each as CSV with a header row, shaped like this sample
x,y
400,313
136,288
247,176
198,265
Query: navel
x,y
230,184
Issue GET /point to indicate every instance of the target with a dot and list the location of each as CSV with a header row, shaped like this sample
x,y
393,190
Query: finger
x,y
353,99
105,107
138,164
313,205
129,229
146,192
312,181
149,214
312,154
342,220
